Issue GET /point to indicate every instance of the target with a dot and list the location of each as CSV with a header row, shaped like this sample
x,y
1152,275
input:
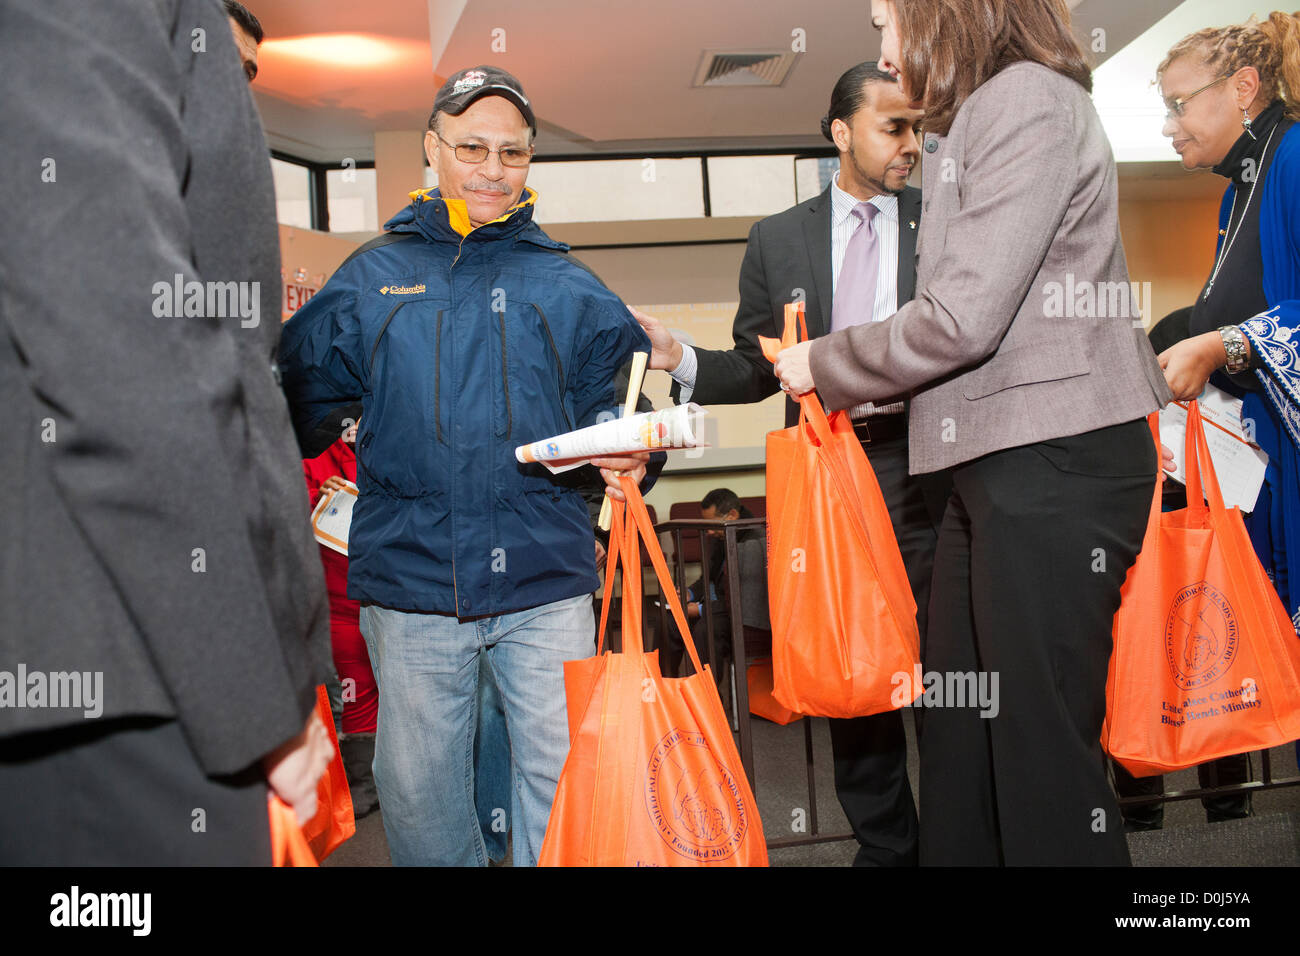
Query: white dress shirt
x,y
842,226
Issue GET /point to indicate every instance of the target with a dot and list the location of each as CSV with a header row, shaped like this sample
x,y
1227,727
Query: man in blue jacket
x,y
465,331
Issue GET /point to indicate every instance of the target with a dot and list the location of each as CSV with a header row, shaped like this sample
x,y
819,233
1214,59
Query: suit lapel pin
x,y
911,223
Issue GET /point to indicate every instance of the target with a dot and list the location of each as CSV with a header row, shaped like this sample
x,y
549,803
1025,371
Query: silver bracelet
x,y
1234,344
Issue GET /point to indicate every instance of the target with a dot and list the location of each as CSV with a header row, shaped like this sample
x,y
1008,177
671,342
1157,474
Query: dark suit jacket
x,y
788,256
156,528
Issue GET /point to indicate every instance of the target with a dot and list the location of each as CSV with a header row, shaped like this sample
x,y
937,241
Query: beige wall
x,y
643,275
319,253
1169,243
399,168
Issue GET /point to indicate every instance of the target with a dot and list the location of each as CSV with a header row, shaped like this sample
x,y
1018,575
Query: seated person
x,y
751,551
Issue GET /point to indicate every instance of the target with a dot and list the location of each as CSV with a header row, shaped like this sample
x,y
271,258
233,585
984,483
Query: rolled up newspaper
x,y
673,427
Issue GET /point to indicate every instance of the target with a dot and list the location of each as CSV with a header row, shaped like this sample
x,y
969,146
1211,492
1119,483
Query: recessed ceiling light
x,y
339,49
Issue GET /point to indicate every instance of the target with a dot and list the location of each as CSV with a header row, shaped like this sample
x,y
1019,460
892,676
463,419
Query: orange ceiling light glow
x,y
357,50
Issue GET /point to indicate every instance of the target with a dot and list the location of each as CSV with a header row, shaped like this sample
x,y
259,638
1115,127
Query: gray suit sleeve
x,y
1015,187
144,407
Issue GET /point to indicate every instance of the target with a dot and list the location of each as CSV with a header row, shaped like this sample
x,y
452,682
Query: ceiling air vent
x,y
744,68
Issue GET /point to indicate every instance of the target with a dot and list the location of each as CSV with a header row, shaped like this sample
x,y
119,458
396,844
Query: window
x,y
751,185
811,176
292,193
614,190
608,190
353,200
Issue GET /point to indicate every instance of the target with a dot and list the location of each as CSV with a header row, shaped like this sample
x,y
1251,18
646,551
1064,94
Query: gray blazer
x,y
1022,328
156,528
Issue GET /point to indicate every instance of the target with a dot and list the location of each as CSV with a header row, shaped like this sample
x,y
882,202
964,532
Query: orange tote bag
x,y
1206,662
334,822
653,777
288,845
844,636
758,678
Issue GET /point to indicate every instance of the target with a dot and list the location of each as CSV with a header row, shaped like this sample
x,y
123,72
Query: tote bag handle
x,y
628,518
288,845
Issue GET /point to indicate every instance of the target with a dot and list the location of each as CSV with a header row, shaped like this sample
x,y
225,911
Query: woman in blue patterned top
x,y
1233,98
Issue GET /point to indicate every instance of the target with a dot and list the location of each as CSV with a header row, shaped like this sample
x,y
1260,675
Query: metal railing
x,y
1267,782
741,721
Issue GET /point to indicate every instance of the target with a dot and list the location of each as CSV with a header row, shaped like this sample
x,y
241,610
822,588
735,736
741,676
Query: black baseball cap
x,y
463,88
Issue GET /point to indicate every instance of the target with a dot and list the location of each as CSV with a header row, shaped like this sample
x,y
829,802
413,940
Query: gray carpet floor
x,y
1270,838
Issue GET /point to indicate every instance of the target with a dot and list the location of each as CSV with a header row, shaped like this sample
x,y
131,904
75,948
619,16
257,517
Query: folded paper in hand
x,y
1238,463
674,427
332,517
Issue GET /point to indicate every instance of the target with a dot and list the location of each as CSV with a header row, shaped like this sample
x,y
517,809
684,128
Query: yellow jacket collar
x,y
458,214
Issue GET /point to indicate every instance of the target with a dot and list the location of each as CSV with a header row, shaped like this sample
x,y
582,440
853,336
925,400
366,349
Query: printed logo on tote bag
x,y
692,799
1200,635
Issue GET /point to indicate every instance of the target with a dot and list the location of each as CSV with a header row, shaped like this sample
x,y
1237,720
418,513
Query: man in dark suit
x,y
156,546
850,254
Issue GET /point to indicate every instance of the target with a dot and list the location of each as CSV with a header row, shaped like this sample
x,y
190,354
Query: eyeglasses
x,y
1177,107
475,153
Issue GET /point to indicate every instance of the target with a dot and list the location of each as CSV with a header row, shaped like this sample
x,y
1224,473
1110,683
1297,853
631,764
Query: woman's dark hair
x,y
950,47
850,93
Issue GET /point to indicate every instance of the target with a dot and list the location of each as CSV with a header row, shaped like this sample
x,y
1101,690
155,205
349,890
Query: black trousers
x,y
125,792
1148,816
870,753
1032,553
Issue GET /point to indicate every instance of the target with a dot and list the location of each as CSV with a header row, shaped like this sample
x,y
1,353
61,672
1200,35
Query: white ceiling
x,y
608,77
1123,87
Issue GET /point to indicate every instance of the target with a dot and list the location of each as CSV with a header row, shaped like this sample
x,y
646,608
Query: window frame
x,y
320,194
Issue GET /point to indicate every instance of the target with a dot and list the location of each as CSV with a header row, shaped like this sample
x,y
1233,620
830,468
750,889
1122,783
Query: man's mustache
x,y
487,185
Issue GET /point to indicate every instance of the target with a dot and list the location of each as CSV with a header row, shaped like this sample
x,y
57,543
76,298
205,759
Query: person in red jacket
x,y
324,474
492,767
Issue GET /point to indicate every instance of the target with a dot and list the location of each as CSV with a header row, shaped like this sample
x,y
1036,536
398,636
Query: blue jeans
x,y
492,782
427,668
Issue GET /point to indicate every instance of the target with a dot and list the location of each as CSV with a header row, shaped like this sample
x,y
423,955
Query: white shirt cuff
x,y
684,374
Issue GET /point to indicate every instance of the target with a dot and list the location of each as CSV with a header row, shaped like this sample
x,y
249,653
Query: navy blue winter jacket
x,y
461,344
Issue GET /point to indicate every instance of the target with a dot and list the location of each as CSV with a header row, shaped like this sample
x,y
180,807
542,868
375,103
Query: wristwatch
x,y
1234,344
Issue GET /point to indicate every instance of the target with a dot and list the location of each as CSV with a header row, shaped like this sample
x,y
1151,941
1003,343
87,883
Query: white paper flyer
x,y
675,427
331,519
1238,464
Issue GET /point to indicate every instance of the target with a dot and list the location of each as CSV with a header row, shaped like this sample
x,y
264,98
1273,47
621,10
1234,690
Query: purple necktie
x,y
854,302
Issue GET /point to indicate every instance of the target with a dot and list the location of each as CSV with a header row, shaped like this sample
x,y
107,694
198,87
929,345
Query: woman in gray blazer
x,y
1031,376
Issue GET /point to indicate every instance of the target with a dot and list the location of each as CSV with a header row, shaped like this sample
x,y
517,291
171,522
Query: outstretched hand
x,y
665,351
